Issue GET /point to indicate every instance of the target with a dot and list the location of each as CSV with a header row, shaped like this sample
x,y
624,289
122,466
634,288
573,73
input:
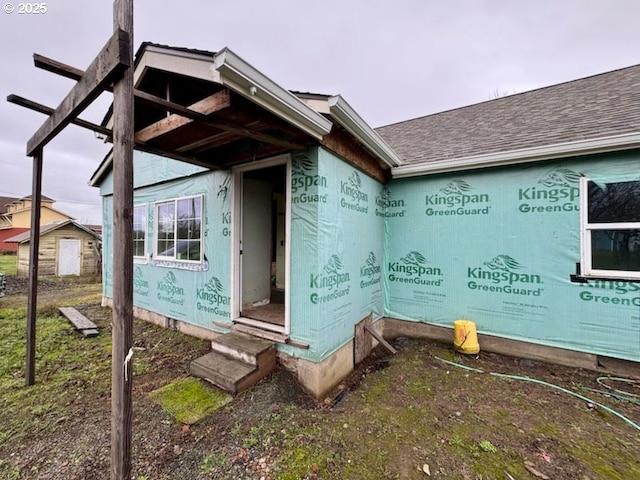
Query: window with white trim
x,y
610,229
179,229
139,231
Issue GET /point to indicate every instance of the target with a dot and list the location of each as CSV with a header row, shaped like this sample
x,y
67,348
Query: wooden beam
x,y
122,322
181,115
198,112
34,246
38,107
205,143
59,68
380,338
105,68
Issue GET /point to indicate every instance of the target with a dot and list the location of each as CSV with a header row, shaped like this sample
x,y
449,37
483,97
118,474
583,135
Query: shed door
x,y
69,257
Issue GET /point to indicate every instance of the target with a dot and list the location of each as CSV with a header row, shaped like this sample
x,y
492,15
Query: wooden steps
x,y
82,323
236,362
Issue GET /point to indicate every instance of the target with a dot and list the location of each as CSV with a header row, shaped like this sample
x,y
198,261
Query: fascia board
x,y
526,155
346,116
244,79
101,171
185,63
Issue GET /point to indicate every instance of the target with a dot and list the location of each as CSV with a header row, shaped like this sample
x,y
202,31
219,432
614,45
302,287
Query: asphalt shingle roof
x,y
598,106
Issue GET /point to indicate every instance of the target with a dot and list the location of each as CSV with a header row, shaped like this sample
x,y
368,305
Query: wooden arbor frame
x,y
112,66
221,141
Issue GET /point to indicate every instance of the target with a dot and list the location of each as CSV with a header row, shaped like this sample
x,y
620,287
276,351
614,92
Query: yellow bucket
x,y
465,337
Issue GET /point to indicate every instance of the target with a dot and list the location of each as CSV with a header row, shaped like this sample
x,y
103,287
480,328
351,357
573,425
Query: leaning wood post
x,y
122,337
34,246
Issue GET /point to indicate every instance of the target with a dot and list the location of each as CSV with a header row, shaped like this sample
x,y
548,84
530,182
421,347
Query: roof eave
x,y
613,143
25,236
232,71
102,170
244,79
348,118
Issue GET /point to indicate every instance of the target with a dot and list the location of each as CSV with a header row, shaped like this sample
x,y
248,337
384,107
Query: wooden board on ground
x,y
82,323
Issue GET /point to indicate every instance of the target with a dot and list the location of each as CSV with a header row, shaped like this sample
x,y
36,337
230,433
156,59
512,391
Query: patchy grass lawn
x,y
8,264
397,417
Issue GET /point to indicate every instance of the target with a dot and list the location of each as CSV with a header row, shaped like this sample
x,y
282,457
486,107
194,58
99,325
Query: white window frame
x,y
157,230
586,228
145,229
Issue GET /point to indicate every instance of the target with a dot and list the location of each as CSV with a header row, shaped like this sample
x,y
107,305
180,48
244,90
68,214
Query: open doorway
x,y
261,245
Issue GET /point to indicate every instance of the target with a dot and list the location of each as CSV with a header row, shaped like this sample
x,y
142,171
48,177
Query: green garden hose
x,y
540,382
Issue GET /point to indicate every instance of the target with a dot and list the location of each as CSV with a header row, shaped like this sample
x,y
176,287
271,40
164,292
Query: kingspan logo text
x,y
168,285
170,289
138,280
501,274
351,188
384,200
211,292
328,281
332,279
417,270
559,193
479,273
388,207
455,197
413,266
303,180
355,194
370,272
455,200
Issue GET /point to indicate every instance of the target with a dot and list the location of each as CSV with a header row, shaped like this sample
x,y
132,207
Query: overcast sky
x,y
392,60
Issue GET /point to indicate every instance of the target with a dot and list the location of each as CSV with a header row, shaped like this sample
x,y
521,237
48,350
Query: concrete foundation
x,y
319,378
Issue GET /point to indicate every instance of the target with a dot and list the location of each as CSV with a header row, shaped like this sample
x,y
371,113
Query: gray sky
x,y
392,60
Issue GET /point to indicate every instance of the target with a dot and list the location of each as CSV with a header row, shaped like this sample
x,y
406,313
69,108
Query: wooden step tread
x,y
256,332
221,370
243,342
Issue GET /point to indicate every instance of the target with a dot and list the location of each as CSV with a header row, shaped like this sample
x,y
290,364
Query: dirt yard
x,y
408,416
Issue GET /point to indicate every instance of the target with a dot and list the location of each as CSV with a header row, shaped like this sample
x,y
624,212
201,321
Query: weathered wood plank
x,y
122,322
32,303
106,67
362,343
77,319
182,115
38,107
59,68
380,338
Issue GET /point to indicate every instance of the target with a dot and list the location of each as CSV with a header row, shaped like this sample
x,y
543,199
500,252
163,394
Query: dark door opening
x,y
263,245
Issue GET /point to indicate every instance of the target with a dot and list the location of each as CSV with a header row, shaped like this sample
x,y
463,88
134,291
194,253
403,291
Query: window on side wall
x,y
179,229
610,229
139,231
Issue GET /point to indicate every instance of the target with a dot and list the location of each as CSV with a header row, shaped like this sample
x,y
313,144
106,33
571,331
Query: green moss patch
x,y
189,400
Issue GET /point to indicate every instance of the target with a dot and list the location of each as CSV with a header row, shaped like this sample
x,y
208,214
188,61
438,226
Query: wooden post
x,y
122,338
34,246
